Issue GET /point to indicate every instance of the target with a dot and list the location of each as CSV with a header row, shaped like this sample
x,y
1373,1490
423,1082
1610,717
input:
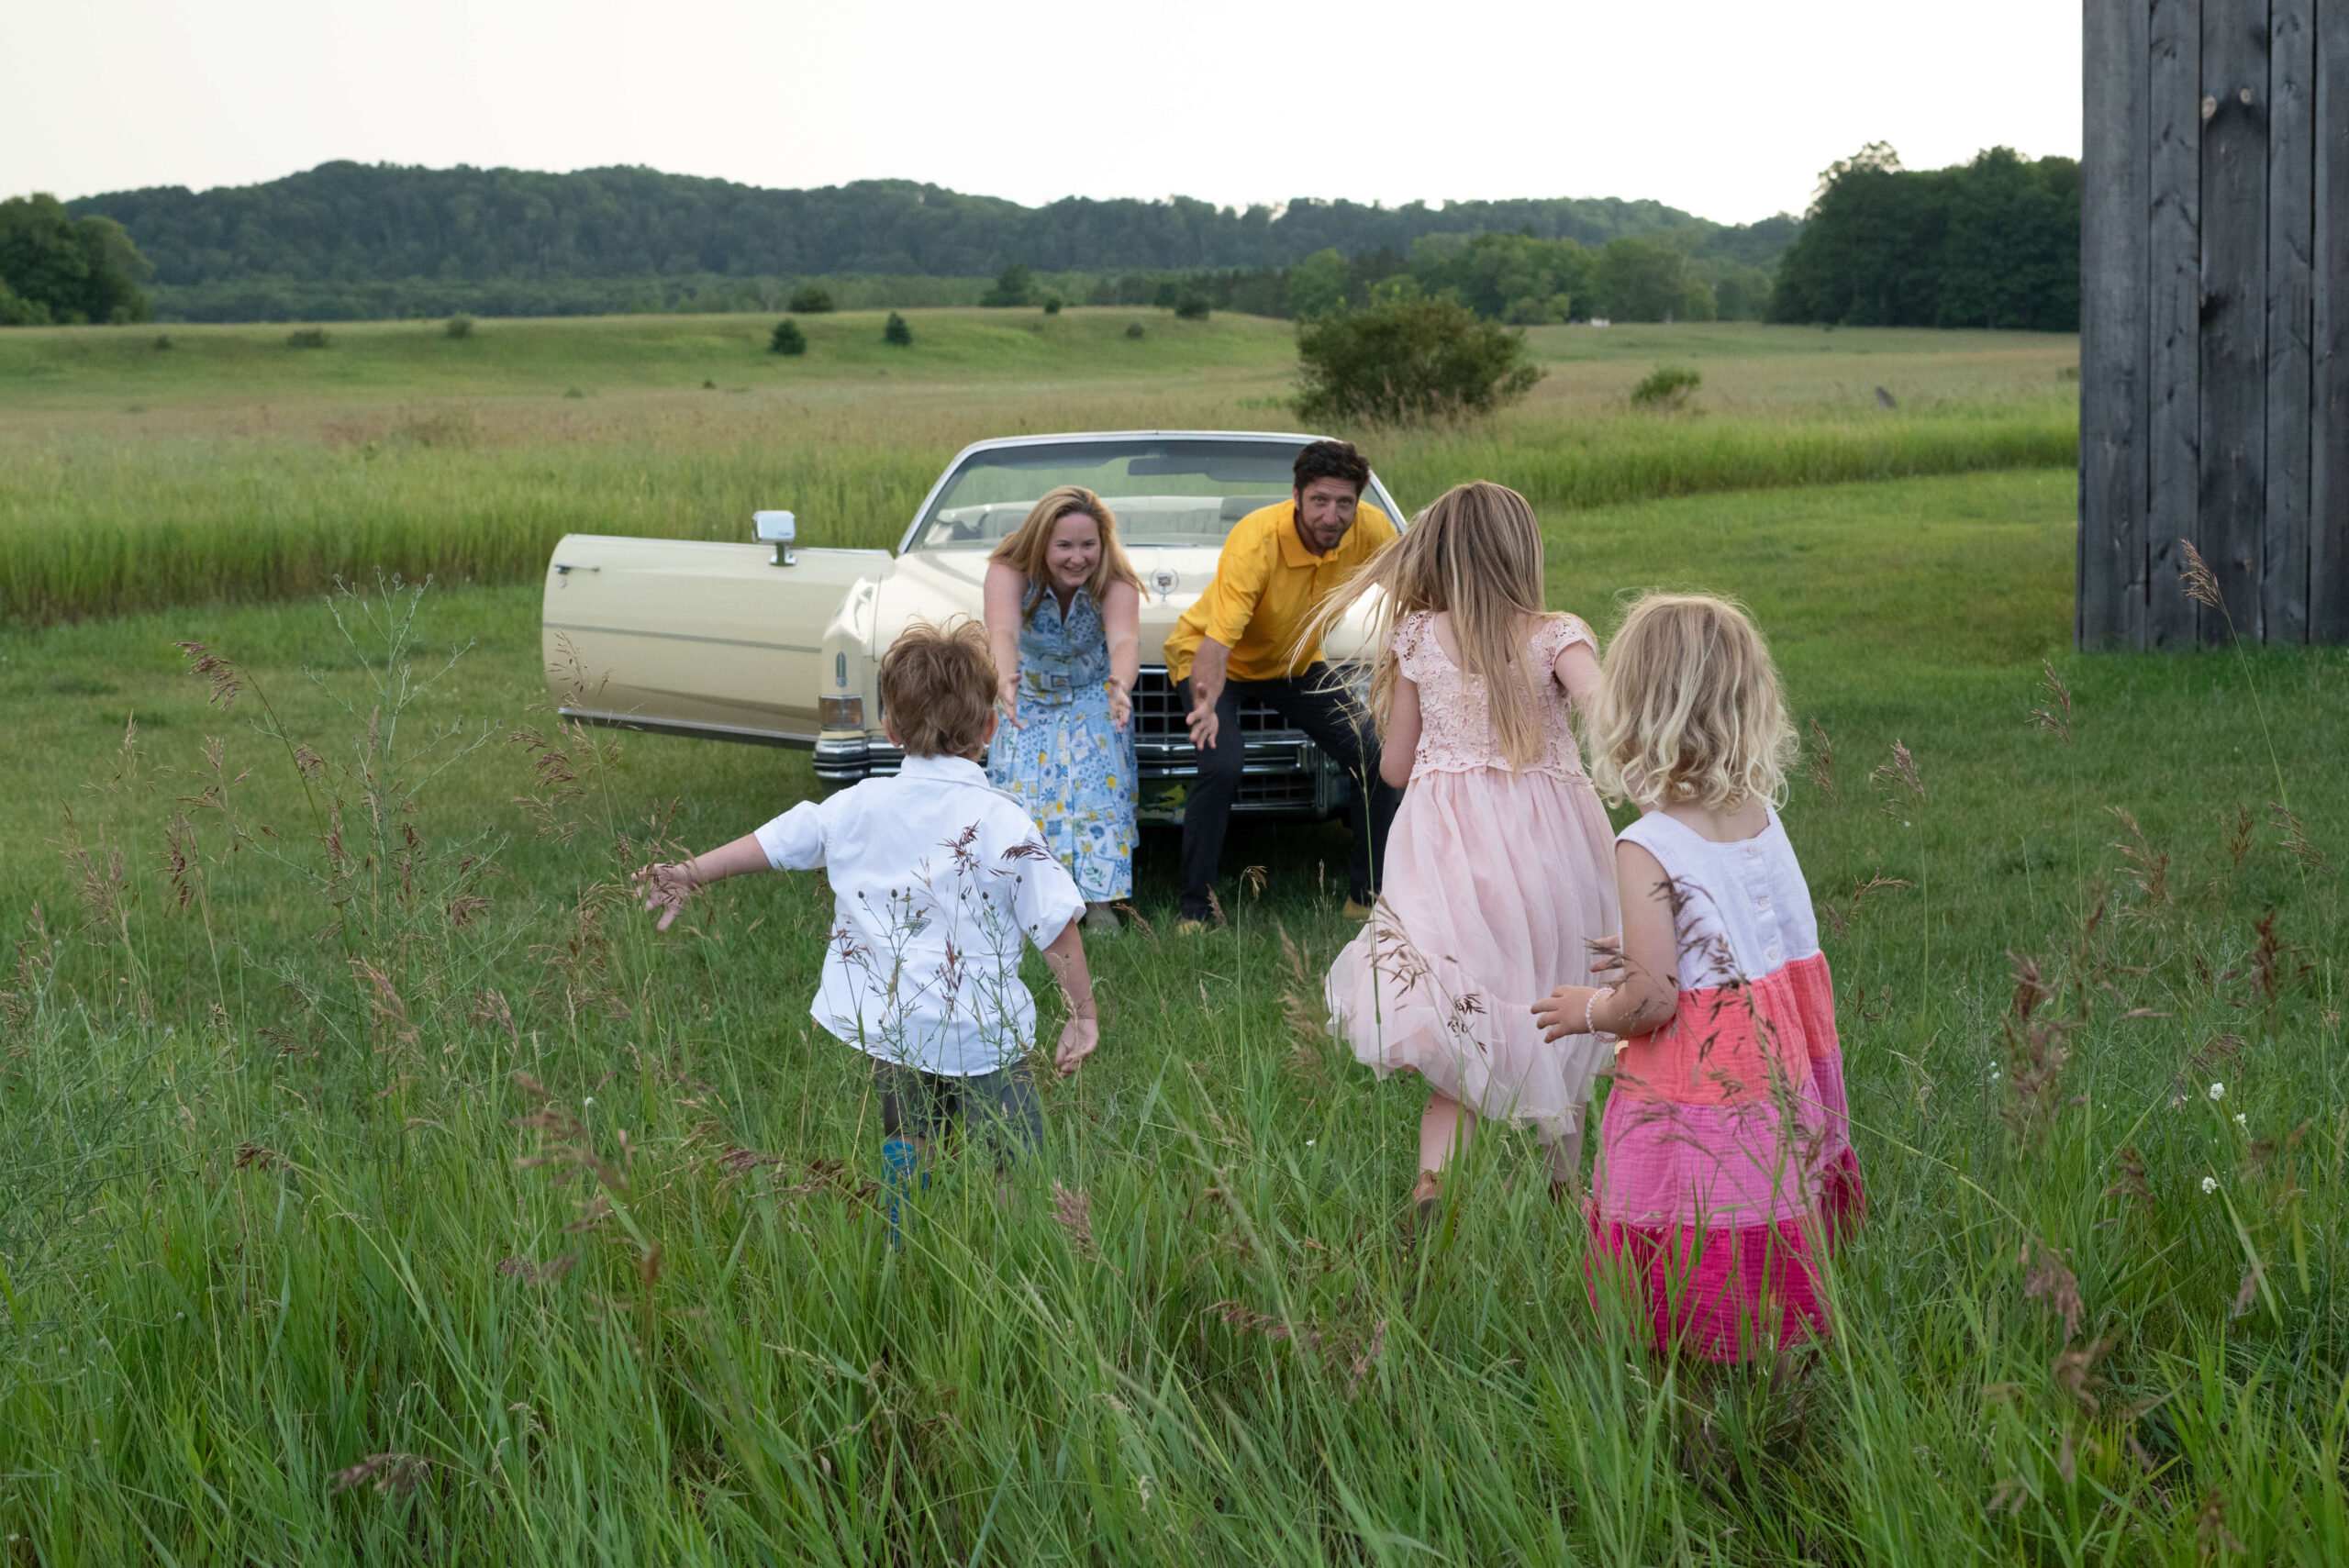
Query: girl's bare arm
x,y
1005,590
1648,994
1577,671
1399,749
1121,619
666,887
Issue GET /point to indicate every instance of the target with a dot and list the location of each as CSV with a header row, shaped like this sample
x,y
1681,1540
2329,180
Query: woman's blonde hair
x,y
1474,554
1025,549
1690,711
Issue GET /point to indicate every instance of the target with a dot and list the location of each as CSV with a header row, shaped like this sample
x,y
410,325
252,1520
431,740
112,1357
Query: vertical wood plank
x,y
2233,494
2329,424
2115,171
2173,420
2292,239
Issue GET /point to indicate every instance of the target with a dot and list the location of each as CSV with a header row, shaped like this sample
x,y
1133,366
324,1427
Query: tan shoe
x,y
1427,1199
1101,920
1187,927
1358,911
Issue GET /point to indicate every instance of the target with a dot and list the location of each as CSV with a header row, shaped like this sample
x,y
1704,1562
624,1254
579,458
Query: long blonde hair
x,y
1025,549
1475,553
1690,711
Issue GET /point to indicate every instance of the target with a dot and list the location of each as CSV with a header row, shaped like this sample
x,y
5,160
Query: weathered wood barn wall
x,y
2214,333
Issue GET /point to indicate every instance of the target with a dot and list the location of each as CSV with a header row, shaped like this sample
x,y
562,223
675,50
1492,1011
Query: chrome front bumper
x,y
1282,775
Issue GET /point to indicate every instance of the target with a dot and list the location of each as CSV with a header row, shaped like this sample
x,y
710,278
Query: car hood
x,y
936,585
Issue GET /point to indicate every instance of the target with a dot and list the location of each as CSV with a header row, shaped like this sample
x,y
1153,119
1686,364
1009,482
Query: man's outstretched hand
x,y
1202,723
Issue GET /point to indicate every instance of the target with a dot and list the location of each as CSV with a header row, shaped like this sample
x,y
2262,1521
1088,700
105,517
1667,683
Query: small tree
x,y
1013,287
1192,307
788,338
1667,390
460,326
895,333
1408,363
809,299
1133,330
1052,304
306,338
1317,285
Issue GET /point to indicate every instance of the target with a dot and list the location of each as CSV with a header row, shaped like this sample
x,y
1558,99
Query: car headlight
x,y
841,713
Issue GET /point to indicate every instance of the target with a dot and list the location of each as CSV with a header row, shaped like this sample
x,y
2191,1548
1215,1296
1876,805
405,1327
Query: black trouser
x,y
1329,713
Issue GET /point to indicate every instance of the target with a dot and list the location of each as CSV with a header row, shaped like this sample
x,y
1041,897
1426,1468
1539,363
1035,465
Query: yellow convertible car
x,y
775,645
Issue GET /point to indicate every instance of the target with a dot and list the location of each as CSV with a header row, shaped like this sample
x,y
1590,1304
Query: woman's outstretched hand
x,y
665,889
1121,704
1006,697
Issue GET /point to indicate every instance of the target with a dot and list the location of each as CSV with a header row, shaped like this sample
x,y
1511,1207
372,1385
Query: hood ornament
x,y
1165,580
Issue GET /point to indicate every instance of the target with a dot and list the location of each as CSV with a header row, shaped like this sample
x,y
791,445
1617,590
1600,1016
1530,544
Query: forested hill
x,y
356,223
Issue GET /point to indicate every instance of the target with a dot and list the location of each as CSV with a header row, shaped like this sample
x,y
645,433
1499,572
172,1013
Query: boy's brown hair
x,y
938,688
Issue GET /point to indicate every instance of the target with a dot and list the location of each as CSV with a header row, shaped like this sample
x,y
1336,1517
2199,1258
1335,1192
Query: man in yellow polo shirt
x,y
1235,644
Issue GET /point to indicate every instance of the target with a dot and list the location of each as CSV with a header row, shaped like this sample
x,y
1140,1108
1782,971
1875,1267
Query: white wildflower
x,y
2240,1123
2210,1183
2218,1091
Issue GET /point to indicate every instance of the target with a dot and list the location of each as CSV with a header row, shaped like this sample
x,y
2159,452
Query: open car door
x,y
693,637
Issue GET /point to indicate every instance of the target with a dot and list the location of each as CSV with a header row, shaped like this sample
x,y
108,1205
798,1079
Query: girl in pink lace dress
x,y
1498,872
1725,1161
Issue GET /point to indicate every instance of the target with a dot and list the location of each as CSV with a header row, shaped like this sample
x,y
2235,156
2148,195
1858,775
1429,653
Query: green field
x,y
285,1277
233,467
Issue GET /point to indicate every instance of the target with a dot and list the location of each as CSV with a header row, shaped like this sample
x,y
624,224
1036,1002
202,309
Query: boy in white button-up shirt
x,y
938,881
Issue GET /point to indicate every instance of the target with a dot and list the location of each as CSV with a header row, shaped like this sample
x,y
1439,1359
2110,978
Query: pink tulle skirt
x,y
1496,883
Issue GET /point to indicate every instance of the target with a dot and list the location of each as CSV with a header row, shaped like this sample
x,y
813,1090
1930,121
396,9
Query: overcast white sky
x,y
1727,109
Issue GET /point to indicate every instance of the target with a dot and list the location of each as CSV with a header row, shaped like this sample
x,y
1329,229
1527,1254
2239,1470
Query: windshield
x,y
1163,490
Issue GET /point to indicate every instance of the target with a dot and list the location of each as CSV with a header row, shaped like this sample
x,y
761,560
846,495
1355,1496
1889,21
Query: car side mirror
x,y
777,528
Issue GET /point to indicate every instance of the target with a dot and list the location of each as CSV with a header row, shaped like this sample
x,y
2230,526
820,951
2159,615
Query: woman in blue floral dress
x,y
1063,615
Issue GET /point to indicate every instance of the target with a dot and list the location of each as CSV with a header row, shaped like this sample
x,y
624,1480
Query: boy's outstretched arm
x,y
666,887
1066,955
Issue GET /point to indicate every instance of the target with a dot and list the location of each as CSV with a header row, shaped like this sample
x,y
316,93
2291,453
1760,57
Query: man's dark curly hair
x,y
1332,459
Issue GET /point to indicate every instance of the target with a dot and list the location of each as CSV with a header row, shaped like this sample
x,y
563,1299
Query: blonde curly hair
x,y
1691,711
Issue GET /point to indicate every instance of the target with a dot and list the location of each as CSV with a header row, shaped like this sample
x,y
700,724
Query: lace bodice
x,y
1455,725
1060,655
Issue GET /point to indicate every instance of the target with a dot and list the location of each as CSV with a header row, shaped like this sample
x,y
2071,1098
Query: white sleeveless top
x,y
1743,908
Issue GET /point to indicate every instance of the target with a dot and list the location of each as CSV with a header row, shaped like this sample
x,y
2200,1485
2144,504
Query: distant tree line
x,y
58,268
1995,242
352,222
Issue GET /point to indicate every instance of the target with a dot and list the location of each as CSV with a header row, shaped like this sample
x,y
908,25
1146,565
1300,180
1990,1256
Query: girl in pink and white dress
x,y
1725,1164
1498,874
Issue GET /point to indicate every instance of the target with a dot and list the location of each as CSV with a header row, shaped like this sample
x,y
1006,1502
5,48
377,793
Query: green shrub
x,y
788,338
460,326
1051,305
164,340
1133,328
1192,307
810,299
895,333
1408,363
1667,388
306,338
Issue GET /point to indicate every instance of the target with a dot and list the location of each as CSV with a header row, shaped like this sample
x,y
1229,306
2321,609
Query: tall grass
x,y
91,527
244,472
558,1242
